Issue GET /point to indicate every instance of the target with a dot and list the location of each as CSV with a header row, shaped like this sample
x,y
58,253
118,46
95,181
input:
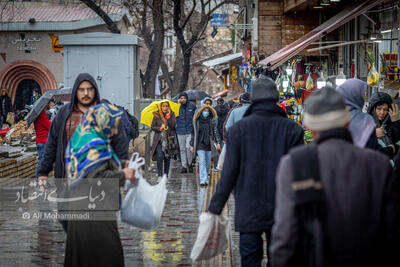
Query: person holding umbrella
x,y
164,145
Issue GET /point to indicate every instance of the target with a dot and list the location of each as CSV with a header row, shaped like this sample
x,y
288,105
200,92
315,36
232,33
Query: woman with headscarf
x,y
204,135
165,145
89,155
362,125
386,118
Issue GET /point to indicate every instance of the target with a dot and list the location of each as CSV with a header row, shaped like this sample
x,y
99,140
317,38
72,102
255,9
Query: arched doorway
x,y
24,93
16,72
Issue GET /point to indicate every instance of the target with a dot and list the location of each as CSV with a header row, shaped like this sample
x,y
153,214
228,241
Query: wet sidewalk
x,y
41,243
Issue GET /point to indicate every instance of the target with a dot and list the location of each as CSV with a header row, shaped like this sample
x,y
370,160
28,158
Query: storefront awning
x,y
349,13
222,60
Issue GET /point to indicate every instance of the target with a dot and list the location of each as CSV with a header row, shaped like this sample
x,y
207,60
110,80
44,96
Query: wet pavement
x,y
41,243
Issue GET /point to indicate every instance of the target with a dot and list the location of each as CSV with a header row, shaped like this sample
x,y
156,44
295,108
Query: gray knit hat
x,y
325,109
264,88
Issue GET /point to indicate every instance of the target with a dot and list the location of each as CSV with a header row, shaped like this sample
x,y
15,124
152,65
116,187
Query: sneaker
x,y
191,168
183,170
159,179
203,184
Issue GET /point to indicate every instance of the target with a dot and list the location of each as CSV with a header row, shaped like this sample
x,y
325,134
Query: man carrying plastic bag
x,y
212,236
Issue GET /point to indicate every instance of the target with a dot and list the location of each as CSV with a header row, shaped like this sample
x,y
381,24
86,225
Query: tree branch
x,y
111,25
190,15
201,80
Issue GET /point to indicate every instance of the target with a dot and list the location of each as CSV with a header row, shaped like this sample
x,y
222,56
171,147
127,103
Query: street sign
x,y
219,20
55,45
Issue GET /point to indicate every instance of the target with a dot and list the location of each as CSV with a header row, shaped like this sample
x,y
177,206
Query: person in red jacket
x,y
42,126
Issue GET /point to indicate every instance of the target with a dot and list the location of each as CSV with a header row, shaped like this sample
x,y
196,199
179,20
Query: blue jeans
x,y
40,150
204,164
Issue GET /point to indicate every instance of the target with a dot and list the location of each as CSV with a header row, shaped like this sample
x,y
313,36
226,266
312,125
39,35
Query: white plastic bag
x,y
143,204
221,159
212,236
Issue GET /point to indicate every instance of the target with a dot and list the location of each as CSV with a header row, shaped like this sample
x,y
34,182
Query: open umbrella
x,y
193,95
146,116
42,102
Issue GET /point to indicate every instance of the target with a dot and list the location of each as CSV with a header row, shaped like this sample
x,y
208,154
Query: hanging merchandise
x,y
373,76
309,82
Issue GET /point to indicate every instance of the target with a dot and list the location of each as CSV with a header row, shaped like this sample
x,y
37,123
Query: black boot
x,y
183,170
191,168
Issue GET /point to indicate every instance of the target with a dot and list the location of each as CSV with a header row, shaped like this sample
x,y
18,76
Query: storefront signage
x,y
22,44
219,20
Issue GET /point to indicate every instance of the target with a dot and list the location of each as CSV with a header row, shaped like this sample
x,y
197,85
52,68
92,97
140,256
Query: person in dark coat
x,y
362,125
95,242
165,145
184,127
85,94
386,118
5,105
254,146
204,136
340,211
222,110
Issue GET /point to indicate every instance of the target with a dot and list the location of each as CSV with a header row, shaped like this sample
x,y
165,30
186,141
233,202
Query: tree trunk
x,y
182,84
156,49
111,25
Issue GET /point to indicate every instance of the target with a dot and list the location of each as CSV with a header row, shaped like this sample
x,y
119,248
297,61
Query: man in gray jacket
x,y
340,211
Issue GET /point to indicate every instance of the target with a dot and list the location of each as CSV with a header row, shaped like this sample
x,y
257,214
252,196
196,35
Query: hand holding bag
x,y
143,205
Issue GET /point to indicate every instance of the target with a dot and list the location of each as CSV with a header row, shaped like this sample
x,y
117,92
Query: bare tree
x,y
111,25
187,41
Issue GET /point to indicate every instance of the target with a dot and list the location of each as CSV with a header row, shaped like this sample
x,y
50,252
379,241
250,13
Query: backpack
x,y
134,126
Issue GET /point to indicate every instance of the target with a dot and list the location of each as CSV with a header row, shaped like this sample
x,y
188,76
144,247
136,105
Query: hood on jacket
x,y
81,78
378,99
204,100
222,109
198,113
353,91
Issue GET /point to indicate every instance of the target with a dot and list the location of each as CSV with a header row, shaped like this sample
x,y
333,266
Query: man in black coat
x,y
85,94
255,145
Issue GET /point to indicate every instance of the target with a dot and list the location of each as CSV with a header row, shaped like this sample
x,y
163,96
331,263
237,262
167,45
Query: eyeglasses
x,y
89,89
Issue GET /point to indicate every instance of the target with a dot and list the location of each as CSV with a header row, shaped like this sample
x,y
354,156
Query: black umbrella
x,y
194,95
42,102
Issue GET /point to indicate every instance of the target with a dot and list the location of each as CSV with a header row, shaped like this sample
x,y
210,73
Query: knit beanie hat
x,y
244,98
325,109
264,88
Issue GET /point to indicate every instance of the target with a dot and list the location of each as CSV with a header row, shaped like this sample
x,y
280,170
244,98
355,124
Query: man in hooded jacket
x,y
85,94
254,146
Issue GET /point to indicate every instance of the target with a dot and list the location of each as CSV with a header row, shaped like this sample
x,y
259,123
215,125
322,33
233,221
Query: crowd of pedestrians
x,y
333,202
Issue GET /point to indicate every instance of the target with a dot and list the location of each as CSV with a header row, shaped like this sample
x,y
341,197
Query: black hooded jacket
x,y
222,112
57,141
392,129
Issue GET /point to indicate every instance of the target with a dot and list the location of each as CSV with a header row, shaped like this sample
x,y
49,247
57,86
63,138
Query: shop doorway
x,y
24,92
